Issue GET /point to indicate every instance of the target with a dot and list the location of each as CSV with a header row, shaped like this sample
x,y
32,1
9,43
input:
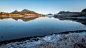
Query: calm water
x,y
13,29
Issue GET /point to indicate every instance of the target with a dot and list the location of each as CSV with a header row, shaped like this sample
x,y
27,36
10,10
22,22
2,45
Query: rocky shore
x,y
68,40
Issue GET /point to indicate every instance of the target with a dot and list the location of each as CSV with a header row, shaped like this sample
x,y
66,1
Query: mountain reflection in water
x,y
26,18
35,26
77,19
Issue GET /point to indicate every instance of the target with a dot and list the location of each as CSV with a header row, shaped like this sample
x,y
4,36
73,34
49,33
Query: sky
x,y
43,6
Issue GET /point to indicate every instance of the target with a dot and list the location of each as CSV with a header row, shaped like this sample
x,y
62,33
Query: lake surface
x,y
13,28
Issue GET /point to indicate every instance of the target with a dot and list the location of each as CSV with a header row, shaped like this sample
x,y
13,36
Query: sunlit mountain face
x,y
22,13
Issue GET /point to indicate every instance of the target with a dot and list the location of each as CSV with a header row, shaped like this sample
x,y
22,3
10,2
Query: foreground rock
x,y
71,40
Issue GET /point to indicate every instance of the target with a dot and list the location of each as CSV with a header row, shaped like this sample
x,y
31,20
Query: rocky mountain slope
x,y
25,11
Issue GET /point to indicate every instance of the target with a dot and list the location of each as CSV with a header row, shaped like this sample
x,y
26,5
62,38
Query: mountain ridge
x,y
24,11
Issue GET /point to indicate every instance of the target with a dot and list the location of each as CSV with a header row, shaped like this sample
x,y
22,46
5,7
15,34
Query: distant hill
x,y
23,12
50,14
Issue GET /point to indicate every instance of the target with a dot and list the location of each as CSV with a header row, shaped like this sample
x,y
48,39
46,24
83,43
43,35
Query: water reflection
x,y
35,26
27,18
77,19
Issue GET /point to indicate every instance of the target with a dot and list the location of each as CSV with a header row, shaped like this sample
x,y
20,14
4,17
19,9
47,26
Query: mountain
x,y
15,12
23,12
50,14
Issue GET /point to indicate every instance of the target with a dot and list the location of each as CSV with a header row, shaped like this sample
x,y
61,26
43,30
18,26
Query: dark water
x,y
21,27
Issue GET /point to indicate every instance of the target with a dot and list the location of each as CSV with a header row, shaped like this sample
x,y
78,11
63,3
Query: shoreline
x,y
71,40
36,38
